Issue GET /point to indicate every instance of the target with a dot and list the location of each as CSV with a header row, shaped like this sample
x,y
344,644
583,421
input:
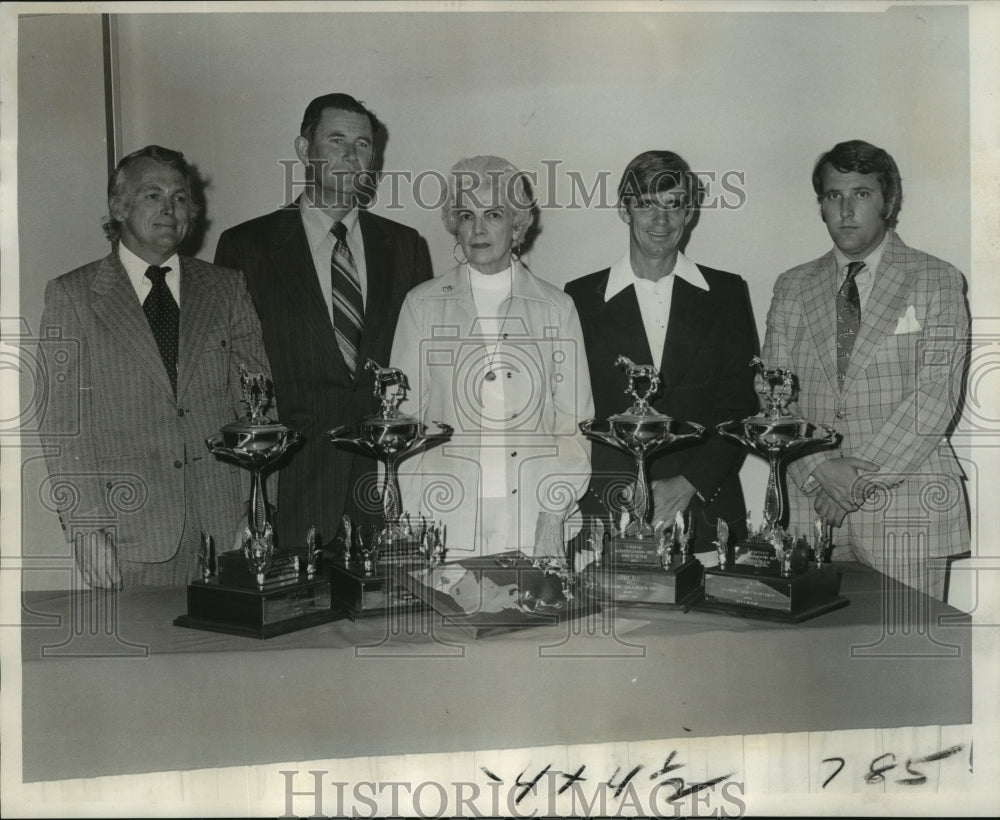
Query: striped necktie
x,y
848,318
348,306
163,316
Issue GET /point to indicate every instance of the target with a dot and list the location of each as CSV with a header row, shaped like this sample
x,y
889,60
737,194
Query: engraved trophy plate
x,y
256,591
635,549
771,575
364,575
367,583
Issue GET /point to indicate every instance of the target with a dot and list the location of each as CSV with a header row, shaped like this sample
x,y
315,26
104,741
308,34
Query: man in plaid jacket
x,y
894,488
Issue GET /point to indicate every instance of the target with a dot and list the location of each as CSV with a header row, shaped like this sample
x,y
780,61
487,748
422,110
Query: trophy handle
x,y
697,430
587,428
340,435
216,447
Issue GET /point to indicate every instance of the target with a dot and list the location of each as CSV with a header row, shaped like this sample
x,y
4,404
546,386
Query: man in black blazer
x,y
318,336
695,324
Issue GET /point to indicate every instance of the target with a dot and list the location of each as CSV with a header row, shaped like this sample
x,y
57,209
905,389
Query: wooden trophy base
x,y
676,587
278,609
764,596
371,594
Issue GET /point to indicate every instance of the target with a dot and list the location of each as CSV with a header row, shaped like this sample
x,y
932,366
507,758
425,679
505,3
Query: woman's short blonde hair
x,y
509,187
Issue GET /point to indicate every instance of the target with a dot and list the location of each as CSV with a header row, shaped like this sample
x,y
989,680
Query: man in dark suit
x,y
155,343
328,279
695,324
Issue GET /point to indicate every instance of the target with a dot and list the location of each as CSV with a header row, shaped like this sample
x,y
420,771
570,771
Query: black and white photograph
x,y
499,409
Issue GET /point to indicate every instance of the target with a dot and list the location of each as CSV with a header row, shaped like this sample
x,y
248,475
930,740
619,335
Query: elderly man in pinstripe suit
x,y
157,340
877,333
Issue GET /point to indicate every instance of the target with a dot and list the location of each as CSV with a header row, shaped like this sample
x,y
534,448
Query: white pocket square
x,y
908,322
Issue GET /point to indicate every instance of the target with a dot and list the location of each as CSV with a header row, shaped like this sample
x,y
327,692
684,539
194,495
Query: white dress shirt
x,y
136,269
318,224
654,298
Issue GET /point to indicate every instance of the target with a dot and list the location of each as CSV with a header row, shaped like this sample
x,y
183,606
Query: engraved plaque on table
x,y
658,571
365,581
773,574
257,590
635,547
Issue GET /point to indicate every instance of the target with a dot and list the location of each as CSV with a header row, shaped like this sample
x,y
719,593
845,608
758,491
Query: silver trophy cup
x,y
641,431
255,443
389,436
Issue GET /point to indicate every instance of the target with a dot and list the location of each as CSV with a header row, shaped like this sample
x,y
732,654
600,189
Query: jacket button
x,y
178,464
223,342
180,411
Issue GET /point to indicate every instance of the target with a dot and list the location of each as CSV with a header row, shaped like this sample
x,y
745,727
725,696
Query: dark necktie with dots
x,y
163,316
848,318
348,306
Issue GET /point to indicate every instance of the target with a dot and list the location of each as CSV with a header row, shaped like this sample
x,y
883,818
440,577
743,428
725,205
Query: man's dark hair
x,y
341,102
864,158
652,172
118,184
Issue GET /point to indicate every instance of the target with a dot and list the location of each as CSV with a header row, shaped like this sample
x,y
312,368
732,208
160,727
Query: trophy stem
x,y
257,508
391,506
774,507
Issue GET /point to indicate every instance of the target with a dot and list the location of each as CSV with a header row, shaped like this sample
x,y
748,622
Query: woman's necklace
x,y
491,375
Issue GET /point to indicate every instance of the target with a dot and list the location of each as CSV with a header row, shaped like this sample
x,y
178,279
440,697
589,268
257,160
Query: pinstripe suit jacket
x,y
120,445
901,390
315,390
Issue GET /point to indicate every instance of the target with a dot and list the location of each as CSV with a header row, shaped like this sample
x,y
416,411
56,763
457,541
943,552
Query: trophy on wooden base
x,y
634,569
769,575
256,591
363,576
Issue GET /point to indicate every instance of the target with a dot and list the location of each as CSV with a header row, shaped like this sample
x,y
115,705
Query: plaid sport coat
x,y
900,393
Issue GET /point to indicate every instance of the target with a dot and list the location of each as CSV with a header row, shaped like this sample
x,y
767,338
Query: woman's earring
x,y
454,253
515,249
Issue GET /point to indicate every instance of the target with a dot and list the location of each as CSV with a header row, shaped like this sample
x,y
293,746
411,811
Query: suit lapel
x,y
880,312
819,311
622,321
290,254
378,266
687,323
199,304
115,303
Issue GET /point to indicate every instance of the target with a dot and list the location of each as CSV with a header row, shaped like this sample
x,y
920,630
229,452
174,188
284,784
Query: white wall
x,y
62,176
758,93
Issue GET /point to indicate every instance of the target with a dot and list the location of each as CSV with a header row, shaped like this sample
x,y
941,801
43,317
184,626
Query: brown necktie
x,y
348,306
163,316
848,318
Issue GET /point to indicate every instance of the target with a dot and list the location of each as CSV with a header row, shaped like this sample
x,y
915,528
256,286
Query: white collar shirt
x,y
135,269
654,298
318,224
